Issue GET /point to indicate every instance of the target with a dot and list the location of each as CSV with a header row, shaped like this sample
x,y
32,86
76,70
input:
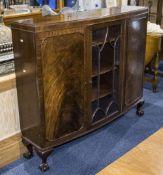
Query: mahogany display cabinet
x,y
77,72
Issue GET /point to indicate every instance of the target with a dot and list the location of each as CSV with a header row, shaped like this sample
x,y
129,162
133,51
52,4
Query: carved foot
x,y
139,110
44,167
44,155
140,113
29,154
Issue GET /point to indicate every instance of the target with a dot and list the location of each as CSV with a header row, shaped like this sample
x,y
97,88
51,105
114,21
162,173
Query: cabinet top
x,y
38,24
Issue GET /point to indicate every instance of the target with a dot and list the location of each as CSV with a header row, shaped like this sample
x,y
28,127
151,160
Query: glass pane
x,y
69,3
105,71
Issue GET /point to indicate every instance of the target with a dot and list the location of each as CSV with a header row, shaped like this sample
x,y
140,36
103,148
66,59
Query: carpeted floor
x,y
89,154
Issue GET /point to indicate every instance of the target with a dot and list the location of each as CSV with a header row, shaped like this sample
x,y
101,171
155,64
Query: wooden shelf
x,y
103,71
105,84
104,91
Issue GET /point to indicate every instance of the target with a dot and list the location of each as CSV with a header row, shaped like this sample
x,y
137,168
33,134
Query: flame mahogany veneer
x,y
77,72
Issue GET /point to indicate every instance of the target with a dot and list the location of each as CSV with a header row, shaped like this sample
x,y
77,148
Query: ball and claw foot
x,y
29,147
140,113
28,155
44,167
139,110
44,155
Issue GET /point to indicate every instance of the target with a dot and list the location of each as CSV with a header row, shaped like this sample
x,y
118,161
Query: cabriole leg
x,y
29,147
139,110
44,155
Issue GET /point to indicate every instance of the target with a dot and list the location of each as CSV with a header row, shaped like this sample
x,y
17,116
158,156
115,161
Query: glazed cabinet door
x,y
106,41
134,67
63,72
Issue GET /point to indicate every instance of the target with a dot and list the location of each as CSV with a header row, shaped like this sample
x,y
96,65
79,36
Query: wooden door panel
x,y
135,60
63,71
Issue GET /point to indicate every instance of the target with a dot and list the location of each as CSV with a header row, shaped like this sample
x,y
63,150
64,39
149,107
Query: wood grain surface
x,y
135,60
63,69
144,159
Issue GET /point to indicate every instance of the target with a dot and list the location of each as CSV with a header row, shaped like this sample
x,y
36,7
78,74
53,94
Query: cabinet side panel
x,y
25,68
63,66
136,37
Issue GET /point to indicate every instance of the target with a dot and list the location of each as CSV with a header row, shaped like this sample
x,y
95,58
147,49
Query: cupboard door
x,y
105,71
63,72
136,37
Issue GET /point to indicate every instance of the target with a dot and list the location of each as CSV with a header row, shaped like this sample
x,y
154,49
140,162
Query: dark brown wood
x,y
139,110
76,73
159,12
136,33
44,156
63,72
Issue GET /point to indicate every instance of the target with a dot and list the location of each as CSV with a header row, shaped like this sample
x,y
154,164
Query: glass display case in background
x,y
51,3
83,5
69,3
